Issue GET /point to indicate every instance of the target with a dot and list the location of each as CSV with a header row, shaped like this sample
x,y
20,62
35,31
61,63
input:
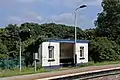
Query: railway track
x,y
94,75
86,75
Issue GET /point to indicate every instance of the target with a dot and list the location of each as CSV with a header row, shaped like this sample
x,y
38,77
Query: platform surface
x,y
59,73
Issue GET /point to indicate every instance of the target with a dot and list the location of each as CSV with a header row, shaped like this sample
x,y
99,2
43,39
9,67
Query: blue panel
x,y
59,66
82,64
52,67
68,41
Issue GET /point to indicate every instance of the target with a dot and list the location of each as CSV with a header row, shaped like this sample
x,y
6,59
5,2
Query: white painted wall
x,y
85,45
40,54
45,55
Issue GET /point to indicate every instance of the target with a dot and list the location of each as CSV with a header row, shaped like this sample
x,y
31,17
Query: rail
x,y
86,75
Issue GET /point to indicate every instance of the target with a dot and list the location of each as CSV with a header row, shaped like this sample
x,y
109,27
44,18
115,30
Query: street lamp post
x,y
20,51
75,23
20,54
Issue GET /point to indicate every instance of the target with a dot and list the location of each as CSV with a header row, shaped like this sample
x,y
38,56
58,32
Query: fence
x,y
10,63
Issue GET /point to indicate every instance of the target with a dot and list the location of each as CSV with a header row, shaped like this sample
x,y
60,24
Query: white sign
x,y
36,56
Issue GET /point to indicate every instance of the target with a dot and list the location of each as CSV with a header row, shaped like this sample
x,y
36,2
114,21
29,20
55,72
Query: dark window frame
x,y
51,53
82,49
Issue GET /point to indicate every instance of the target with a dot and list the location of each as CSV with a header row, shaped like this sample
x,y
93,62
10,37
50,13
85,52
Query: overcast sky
x,y
45,11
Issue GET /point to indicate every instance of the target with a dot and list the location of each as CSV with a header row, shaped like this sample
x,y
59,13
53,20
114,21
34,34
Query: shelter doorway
x,y
67,54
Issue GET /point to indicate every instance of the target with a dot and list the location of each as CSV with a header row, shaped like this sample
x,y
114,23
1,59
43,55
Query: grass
x,y
15,71
91,63
103,63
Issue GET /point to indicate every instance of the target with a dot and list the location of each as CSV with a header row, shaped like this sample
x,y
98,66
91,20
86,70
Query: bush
x,y
102,49
83,64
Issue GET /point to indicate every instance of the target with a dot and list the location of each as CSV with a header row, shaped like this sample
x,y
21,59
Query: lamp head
x,y
83,6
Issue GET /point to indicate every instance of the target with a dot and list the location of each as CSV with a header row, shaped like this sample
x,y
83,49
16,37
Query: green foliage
x,y
16,72
9,38
52,30
108,21
102,49
9,64
31,49
39,33
91,63
3,50
90,34
104,46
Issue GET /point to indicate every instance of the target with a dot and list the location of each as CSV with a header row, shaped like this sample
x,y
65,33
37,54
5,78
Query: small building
x,y
57,53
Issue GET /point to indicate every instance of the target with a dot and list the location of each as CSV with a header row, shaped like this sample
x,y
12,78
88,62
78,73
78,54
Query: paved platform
x,y
59,73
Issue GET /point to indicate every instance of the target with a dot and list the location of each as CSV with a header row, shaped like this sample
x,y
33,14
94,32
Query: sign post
x,y
35,63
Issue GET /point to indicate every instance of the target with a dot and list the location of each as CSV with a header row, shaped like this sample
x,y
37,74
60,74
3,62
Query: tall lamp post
x,y
20,51
75,23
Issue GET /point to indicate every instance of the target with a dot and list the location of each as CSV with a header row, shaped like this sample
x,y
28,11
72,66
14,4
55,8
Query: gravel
x,y
112,77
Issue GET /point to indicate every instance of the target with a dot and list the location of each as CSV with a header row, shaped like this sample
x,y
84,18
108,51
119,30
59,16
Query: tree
x,y
31,49
3,51
90,34
108,21
10,39
102,49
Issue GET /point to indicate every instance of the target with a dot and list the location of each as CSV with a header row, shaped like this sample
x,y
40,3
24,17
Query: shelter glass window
x,y
51,52
81,52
